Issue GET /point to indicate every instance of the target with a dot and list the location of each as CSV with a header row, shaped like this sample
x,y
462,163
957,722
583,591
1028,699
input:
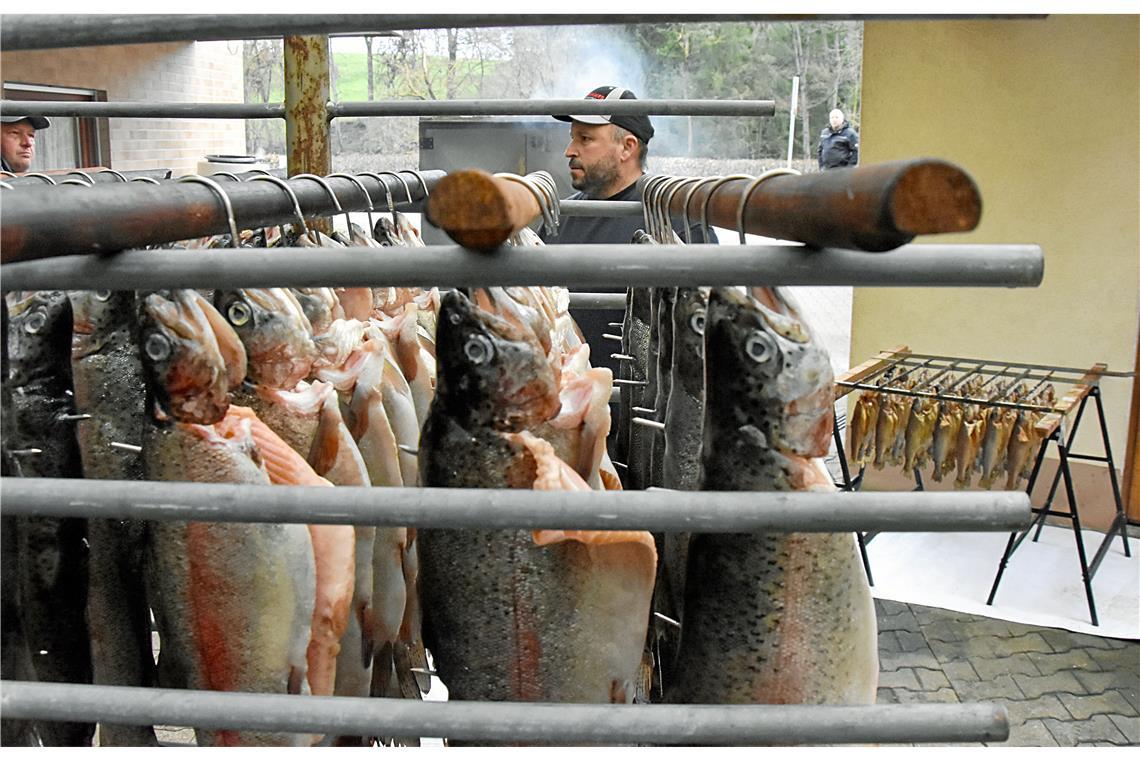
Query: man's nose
x,y
571,151
28,140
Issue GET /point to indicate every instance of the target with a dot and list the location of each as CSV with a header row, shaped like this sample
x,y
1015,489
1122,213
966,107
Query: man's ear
x,y
629,146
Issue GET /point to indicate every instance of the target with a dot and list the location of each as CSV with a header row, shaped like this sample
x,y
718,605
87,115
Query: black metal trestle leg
x,y
1057,475
849,485
1120,521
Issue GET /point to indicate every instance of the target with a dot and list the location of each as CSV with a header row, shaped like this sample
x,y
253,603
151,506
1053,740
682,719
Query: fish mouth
x,y
83,328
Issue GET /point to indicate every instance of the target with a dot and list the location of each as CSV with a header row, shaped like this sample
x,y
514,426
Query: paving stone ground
x,y
1059,688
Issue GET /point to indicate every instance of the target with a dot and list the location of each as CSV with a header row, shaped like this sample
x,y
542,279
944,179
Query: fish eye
x,y
35,322
157,347
454,318
102,295
697,322
238,313
760,347
479,349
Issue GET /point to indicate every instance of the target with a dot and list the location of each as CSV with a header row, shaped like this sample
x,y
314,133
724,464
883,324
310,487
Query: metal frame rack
x,y
42,251
1084,384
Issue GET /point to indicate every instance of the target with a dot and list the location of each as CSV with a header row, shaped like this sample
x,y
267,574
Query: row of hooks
x,y
660,190
545,192
264,176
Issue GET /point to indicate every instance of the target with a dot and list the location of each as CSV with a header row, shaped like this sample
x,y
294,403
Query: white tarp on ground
x,y
1041,585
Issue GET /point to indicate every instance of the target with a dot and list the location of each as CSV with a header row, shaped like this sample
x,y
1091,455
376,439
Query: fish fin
x,y
365,616
405,678
382,671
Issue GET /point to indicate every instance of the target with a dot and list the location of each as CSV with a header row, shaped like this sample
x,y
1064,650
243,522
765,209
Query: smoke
x,y
585,57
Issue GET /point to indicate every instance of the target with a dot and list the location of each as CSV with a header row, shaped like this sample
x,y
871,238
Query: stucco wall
x,y
1045,115
182,71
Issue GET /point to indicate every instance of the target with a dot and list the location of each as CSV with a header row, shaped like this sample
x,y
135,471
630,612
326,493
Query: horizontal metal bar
x,y
579,267
1079,370
147,109
709,512
1050,374
600,208
514,722
1088,457
38,32
547,107
597,301
944,397
96,175
55,221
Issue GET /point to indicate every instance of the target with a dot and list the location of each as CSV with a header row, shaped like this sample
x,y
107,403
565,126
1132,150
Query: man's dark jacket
x,y
838,148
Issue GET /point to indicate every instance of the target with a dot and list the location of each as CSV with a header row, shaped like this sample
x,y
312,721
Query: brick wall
x,y
200,72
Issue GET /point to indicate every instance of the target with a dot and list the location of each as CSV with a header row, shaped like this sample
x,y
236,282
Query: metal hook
x,y
420,177
83,174
234,177
672,189
661,224
713,189
685,211
402,181
225,201
151,180
336,203
120,175
38,175
539,196
387,196
546,184
364,192
647,200
7,173
259,171
748,192
73,181
292,196
5,185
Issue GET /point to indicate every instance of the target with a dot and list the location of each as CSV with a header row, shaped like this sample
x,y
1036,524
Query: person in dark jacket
x,y
838,143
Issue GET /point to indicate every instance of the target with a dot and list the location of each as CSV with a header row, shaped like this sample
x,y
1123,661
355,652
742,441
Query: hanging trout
x,y
508,619
771,618
52,552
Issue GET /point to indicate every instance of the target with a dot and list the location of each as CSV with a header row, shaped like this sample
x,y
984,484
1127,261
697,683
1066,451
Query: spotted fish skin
x,y
771,618
52,556
635,343
663,317
108,381
507,619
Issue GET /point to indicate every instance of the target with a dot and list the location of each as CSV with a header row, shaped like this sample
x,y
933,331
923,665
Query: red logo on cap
x,y
596,96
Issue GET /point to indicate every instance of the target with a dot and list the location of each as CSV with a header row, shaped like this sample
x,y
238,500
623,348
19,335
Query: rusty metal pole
x,y
306,115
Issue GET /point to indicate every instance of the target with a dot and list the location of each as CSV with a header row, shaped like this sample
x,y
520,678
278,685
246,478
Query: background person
x,y
18,141
838,143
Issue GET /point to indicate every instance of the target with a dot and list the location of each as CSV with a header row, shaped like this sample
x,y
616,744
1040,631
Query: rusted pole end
x,y
480,211
932,197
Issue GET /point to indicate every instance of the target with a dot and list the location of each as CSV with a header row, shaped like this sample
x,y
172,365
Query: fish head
x,y
184,357
98,313
275,332
492,371
320,305
39,335
766,375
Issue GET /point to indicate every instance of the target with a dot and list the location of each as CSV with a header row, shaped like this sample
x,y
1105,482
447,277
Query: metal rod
x,y
597,301
548,107
514,722
600,208
100,177
120,216
871,208
945,397
148,110
42,31
572,266
307,139
1081,370
712,512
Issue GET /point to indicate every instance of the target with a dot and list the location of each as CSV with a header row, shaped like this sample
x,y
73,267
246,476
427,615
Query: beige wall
x,y
1045,115
181,71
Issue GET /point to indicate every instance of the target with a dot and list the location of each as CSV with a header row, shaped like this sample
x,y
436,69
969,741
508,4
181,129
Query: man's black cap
x,y
37,122
638,125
